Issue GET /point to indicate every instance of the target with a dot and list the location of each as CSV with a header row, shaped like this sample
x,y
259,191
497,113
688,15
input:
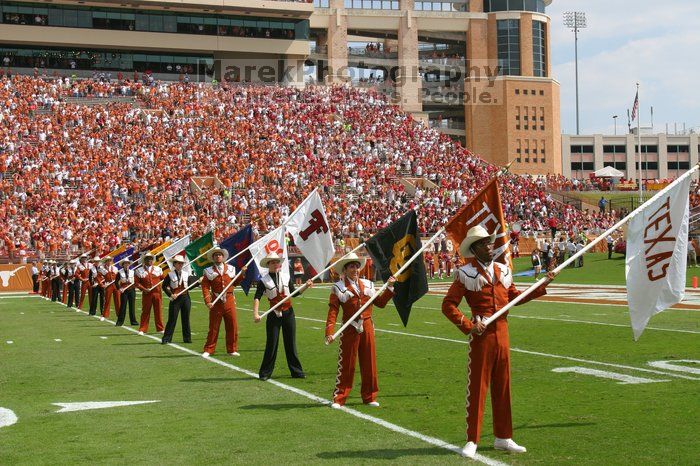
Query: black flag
x,y
390,249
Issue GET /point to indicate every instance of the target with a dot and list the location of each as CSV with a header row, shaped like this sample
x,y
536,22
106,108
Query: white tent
x,y
608,172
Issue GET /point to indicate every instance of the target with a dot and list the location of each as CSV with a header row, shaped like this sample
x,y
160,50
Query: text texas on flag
x,y
657,247
485,209
390,249
308,226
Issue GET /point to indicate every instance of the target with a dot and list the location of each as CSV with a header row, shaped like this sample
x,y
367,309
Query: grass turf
x,y
597,269
211,414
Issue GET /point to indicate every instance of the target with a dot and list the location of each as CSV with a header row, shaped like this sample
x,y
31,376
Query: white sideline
x,y
517,350
375,420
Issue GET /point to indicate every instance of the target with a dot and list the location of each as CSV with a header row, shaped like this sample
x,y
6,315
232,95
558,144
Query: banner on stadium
x,y
237,243
308,226
657,248
15,277
390,249
485,209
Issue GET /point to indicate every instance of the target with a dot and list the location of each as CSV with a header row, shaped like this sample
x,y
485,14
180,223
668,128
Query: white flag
x,y
176,248
657,248
272,242
308,226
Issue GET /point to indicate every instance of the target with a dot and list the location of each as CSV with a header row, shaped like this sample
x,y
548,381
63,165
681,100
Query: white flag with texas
x,y
657,248
308,226
272,242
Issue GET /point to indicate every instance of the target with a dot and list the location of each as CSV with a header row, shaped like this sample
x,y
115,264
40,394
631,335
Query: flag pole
x,y
188,263
223,292
200,278
639,147
386,285
590,245
320,274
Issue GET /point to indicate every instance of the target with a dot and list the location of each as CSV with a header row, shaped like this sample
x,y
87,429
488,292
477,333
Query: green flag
x,y
198,247
390,249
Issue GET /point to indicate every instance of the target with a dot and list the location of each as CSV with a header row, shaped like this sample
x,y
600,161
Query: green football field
x,y
583,391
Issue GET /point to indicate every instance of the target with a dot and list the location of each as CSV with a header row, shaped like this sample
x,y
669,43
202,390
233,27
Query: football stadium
x,y
389,187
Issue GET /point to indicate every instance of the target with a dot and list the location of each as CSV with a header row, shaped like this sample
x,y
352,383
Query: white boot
x,y
469,450
374,404
205,355
335,405
509,445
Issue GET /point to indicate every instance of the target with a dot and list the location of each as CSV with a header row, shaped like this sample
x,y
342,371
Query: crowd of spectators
x,y
90,177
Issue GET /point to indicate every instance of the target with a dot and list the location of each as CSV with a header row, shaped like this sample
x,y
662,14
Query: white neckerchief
x,y
355,284
220,268
489,270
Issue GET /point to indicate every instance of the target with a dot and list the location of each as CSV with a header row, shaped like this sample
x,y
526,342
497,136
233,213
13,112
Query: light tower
x,y
575,20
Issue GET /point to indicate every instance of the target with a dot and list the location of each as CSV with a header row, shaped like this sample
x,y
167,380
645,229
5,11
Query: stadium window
x,y
587,166
524,91
541,92
517,92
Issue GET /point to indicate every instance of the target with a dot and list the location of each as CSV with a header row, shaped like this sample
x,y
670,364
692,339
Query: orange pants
x,y
151,300
352,345
45,288
85,288
111,291
226,311
489,364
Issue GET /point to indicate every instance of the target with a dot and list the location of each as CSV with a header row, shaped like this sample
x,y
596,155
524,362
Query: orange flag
x,y
485,209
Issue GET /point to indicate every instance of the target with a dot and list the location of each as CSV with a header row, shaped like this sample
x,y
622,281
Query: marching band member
x,y
127,293
151,297
106,278
83,274
175,284
215,279
73,285
55,277
98,294
487,286
350,293
272,287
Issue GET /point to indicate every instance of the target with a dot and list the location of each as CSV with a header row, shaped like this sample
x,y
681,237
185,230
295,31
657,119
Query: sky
x,y
651,42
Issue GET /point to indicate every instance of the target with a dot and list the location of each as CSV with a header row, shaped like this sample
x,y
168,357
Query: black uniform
x,y
56,283
73,285
98,293
125,280
182,304
287,323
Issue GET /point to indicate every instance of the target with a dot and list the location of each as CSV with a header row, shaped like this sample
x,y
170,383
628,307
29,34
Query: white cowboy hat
x,y
147,255
179,258
473,235
350,258
107,259
73,261
273,256
96,259
210,254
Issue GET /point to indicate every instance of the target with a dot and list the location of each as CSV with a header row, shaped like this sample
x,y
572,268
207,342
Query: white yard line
x,y
375,420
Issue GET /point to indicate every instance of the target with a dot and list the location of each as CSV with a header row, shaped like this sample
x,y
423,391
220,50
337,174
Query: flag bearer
x,y
151,296
271,285
126,281
350,293
174,286
216,279
487,286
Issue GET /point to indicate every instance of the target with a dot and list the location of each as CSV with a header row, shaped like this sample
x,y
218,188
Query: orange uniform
x,y
357,339
489,353
147,278
106,277
82,272
213,283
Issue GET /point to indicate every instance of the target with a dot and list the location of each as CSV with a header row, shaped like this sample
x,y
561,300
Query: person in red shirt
x,y
487,286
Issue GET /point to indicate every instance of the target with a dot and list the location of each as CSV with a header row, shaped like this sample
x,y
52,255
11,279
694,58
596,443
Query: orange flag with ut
x,y
484,209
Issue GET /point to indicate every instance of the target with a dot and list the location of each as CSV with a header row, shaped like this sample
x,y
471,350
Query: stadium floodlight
x,y
575,20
